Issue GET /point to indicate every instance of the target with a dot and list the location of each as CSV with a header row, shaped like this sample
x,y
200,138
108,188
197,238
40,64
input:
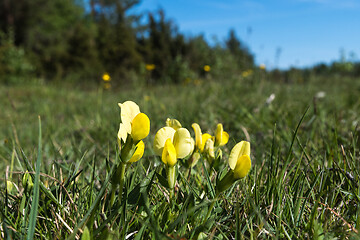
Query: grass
x,y
303,183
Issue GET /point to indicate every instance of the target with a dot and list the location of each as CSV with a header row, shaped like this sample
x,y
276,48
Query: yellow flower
x,y
221,137
200,139
239,159
169,153
150,67
247,73
240,165
139,152
106,77
198,136
207,68
133,122
262,66
209,149
172,144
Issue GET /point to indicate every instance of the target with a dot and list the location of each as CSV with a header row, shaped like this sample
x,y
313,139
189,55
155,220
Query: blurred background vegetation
x,y
73,40
76,41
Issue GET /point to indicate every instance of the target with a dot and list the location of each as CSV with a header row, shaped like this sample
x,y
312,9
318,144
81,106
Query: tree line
x,y
79,40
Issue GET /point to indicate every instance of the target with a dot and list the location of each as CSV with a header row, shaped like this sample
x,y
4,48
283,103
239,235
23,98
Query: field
x,y
303,184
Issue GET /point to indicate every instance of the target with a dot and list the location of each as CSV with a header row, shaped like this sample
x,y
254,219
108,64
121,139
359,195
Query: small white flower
x,y
320,94
270,99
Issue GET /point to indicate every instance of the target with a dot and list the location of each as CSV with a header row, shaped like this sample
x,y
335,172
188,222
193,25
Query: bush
x,y
14,66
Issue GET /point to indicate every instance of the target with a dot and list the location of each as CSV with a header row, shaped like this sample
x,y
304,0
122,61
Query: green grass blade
x,y
35,198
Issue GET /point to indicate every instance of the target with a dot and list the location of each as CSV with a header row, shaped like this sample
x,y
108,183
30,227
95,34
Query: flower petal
x,y
122,133
182,142
242,167
204,138
129,110
140,127
224,138
240,149
140,147
175,124
160,138
169,153
209,148
218,134
198,135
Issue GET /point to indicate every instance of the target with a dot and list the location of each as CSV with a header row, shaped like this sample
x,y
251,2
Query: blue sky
x,y
307,31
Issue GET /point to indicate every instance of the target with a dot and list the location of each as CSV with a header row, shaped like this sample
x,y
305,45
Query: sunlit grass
x,y
303,182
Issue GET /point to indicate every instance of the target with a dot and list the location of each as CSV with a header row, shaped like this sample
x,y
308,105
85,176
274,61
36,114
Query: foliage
x,y
14,65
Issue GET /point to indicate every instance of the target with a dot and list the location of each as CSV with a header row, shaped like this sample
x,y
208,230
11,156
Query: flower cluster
x,y
174,142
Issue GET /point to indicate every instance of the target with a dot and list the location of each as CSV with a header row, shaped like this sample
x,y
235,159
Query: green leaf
x,y
86,234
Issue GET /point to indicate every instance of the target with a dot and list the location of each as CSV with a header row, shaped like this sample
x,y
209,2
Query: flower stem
x,y
122,180
119,181
171,177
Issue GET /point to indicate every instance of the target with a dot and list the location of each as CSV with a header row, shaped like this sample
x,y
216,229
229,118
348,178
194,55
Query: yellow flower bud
x,y
175,124
205,137
221,137
198,135
139,152
169,153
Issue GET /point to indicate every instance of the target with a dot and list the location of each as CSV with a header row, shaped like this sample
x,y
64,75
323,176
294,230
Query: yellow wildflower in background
x,y
247,73
207,68
106,77
150,67
262,66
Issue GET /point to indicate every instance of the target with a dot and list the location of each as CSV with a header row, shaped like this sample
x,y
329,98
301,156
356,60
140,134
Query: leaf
x,y
162,180
86,234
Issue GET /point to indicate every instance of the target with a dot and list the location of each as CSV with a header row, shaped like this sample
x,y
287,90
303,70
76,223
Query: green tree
x,y
244,58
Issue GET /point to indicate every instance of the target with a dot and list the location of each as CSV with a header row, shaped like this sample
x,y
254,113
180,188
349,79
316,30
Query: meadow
x,y
303,183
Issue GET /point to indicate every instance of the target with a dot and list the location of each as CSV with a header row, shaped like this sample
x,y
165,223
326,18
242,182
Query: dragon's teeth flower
x,y
239,159
221,137
133,122
205,138
167,139
200,139
240,164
